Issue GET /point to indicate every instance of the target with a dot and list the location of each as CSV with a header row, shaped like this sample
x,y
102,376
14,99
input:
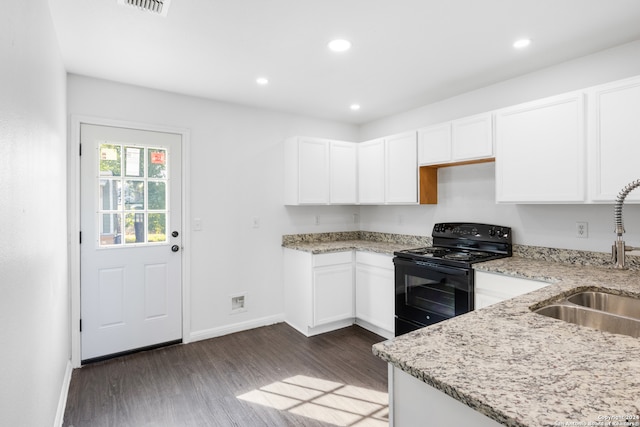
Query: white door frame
x,y
74,222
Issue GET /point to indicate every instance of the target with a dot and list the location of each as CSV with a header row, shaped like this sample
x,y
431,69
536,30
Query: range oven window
x,y
428,294
431,296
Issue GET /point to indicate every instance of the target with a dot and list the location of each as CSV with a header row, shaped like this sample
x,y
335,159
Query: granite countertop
x,y
524,369
385,243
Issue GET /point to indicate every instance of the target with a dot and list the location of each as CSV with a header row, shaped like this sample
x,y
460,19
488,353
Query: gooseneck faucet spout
x,y
619,248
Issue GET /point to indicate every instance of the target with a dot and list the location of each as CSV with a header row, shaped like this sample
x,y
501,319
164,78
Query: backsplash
x,y
566,256
571,256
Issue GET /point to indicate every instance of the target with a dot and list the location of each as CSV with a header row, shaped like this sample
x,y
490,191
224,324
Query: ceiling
x,y
405,53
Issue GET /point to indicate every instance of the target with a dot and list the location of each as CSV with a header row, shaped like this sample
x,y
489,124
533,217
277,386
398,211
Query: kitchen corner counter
x,y
524,369
384,243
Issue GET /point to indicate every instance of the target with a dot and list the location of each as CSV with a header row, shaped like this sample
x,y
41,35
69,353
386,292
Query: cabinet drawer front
x,y
375,259
506,286
332,258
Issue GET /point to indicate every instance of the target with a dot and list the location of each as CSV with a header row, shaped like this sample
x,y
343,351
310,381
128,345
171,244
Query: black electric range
x,y
436,283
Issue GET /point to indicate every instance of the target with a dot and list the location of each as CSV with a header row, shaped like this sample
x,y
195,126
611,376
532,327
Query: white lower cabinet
x,y
491,288
416,404
375,293
322,293
318,290
332,288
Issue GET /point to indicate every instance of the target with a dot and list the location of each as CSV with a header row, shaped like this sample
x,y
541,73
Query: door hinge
x,y
80,325
79,149
81,237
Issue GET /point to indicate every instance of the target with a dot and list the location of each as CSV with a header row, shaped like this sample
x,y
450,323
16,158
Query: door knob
x,y
175,248
175,233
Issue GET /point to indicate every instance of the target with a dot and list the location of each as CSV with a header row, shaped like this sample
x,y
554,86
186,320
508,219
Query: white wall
x,y
235,168
34,291
467,193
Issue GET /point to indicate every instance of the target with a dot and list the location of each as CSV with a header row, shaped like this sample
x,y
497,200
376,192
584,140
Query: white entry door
x,y
130,251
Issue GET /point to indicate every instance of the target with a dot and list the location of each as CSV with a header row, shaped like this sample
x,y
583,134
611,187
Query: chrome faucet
x,y
619,248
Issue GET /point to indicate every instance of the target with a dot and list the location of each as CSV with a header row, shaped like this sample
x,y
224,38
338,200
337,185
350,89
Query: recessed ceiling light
x,y
339,45
262,81
522,43
355,107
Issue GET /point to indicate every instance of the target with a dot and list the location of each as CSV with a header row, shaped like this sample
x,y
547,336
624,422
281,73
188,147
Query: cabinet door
x,y
371,172
332,293
472,138
401,169
491,288
343,174
375,295
540,151
614,139
313,171
434,144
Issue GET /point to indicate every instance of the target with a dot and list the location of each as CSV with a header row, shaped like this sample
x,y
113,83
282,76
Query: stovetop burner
x,y
429,251
435,253
459,255
462,244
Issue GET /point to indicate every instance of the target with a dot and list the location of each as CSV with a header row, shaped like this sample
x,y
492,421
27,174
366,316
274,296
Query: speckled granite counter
x,y
386,243
524,369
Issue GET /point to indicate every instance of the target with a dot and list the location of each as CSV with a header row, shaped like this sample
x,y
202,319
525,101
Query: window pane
x,y
157,195
110,160
157,227
110,194
134,228
134,195
157,163
134,161
110,229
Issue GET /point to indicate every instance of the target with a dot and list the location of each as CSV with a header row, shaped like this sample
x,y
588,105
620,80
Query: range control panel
x,y
472,231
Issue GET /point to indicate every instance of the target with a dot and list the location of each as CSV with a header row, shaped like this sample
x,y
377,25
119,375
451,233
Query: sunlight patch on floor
x,y
327,401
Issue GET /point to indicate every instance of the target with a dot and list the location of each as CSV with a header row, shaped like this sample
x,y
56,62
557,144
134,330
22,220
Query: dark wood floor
x,y
269,376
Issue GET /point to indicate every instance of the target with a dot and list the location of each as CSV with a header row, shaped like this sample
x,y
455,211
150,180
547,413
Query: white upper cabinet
x,y
343,172
614,139
388,170
401,169
371,172
470,138
434,144
319,171
540,151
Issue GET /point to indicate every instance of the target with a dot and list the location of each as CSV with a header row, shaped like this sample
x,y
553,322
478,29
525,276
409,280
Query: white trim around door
x,y
74,222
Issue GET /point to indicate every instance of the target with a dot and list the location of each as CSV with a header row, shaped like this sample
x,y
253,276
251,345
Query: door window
x,y
132,195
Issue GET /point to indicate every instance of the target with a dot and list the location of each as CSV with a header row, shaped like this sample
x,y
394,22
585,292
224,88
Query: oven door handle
x,y
438,267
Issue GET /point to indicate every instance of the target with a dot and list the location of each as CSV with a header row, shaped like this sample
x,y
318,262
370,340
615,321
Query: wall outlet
x,y
582,229
238,302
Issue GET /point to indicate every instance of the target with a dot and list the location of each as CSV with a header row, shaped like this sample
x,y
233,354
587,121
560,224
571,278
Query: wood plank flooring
x,y
269,376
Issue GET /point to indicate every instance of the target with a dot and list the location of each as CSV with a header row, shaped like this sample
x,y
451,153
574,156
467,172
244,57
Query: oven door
x,y
428,293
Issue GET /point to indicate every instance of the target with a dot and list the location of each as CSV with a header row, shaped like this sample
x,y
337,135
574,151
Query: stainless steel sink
x,y
614,304
593,319
598,310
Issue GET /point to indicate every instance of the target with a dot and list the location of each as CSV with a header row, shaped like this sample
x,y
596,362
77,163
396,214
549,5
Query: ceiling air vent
x,y
155,6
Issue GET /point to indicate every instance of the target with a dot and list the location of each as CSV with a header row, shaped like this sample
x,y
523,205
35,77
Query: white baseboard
x,y
384,333
64,392
236,327
317,330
